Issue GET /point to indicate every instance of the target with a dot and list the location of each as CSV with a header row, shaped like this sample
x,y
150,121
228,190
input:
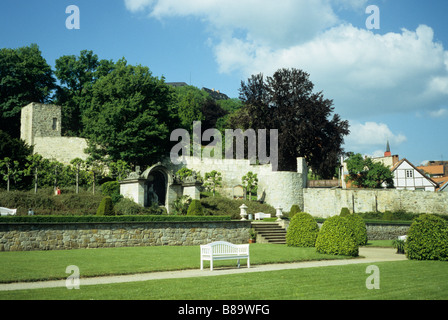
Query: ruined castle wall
x,y
321,202
62,149
276,188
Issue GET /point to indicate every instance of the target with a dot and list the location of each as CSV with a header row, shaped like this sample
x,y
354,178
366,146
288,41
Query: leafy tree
x,y
10,170
130,117
365,173
16,150
213,180
34,165
77,165
286,102
189,101
77,74
95,169
250,182
25,77
55,171
212,112
119,169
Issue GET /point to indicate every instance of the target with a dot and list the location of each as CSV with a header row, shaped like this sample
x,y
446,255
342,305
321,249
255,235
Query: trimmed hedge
x,y
427,239
106,207
195,208
359,228
117,219
302,231
336,236
295,209
344,212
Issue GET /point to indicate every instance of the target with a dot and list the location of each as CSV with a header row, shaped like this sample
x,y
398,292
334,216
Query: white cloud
x,y
262,21
137,5
441,113
371,135
362,71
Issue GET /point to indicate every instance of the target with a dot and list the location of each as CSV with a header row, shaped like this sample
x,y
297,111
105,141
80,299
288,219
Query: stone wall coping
x,y
123,222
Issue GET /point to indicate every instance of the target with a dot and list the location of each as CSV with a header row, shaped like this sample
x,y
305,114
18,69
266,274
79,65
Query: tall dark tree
x,y
77,74
305,121
25,77
212,112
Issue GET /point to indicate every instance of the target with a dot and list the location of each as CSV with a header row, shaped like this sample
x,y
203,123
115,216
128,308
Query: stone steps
x,y
269,232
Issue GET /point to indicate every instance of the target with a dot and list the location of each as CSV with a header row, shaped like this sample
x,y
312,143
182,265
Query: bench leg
x,y
211,264
248,263
202,264
238,263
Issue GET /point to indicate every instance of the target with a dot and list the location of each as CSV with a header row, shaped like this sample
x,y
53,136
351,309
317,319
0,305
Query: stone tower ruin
x,y
40,120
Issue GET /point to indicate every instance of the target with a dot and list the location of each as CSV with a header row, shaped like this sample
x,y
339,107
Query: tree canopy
x,y
365,173
130,116
305,120
25,77
77,74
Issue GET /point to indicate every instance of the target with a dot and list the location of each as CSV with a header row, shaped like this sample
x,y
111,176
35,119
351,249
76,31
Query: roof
x,y
432,170
399,163
444,186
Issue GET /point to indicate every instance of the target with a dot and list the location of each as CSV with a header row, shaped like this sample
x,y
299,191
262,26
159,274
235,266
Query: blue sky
x,y
390,83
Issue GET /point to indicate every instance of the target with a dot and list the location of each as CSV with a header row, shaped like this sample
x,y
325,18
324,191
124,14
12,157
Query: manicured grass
x,y
402,280
49,265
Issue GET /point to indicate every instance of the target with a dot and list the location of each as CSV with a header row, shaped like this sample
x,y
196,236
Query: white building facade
x,y
408,177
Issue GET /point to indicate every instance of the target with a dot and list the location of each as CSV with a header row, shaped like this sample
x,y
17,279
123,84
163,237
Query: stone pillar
x,y
134,190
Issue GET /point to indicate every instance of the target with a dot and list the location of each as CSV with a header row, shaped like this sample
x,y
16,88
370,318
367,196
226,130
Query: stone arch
x,y
157,181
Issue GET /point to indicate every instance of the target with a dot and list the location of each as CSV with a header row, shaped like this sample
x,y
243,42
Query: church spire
x,y
387,153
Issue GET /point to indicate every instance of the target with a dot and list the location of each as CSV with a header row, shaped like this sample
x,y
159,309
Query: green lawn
x,y
49,265
403,280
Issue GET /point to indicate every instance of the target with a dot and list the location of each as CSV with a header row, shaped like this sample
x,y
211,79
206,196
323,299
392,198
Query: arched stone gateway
x,y
157,181
157,186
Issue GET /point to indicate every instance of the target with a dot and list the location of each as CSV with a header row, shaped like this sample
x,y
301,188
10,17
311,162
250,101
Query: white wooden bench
x,y
261,215
7,212
222,250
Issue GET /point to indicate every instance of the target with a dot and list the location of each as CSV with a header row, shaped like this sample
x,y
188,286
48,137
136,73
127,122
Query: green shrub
x,y
399,245
195,208
106,207
344,212
127,207
302,231
219,205
427,238
294,210
337,237
359,228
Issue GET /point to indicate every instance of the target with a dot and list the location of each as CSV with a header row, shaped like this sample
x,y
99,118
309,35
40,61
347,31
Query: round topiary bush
x,y
359,228
337,237
302,231
106,207
195,208
294,210
427,238
344,212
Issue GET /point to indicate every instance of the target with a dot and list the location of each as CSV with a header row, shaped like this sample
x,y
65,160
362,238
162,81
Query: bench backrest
x,y
223,247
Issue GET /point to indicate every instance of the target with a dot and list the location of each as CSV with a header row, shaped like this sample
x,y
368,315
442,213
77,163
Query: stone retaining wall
x,y
47,236
324,203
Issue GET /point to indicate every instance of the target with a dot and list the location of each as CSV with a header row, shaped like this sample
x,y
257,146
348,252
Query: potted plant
x,y
252,235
